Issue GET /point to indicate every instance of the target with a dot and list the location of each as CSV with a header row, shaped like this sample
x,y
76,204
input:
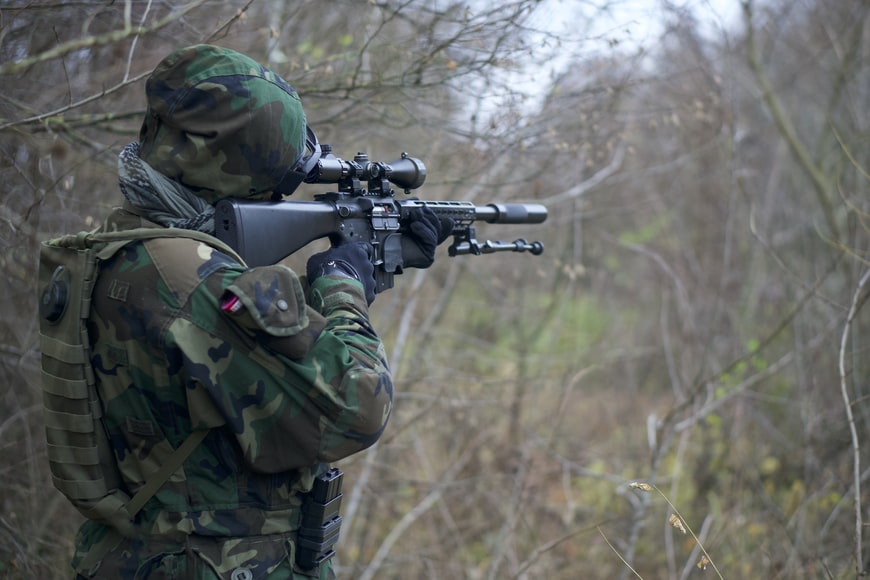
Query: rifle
x,y
264,233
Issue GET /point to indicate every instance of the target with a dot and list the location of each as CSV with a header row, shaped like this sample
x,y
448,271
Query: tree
x,y
696,325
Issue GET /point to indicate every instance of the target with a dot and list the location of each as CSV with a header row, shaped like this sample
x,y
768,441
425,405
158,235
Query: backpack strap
x,y
116,240
173,462
152,485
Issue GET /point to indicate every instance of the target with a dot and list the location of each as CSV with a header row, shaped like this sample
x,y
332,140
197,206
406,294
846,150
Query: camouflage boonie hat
x,y
221,124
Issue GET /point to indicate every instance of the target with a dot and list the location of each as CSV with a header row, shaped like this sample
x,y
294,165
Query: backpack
x,y
81,460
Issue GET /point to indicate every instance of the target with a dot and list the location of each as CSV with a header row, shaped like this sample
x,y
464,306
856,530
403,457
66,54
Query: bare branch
x,y
820,181
17,66
856,455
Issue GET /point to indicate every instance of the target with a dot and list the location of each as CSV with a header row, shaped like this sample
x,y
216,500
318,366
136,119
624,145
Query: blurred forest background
x,y
698,323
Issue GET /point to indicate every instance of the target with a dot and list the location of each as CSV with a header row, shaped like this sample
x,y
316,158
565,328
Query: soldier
x,y
283,376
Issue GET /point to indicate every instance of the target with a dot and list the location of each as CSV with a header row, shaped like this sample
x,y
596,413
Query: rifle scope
x,y
406,173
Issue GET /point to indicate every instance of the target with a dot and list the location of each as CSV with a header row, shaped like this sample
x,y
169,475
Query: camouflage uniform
x,y
289,379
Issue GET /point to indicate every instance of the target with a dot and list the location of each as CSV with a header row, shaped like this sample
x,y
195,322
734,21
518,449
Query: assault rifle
x,y
264,233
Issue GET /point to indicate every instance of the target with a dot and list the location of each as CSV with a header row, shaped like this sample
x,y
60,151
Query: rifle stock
x,y
265,233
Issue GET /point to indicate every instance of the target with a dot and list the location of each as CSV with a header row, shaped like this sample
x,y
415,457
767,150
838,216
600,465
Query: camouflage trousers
x,y
205,558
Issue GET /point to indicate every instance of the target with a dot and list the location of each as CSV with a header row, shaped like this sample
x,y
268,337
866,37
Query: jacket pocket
x,y
250,558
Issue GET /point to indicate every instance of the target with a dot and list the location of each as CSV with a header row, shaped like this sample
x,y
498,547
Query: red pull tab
x,y
231,304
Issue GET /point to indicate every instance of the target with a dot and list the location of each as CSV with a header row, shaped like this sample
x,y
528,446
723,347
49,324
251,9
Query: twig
x,y
853,309
618,555
650,487
783,122
418,511
84,101
355,497
600,177
217,33
127,14
17,66
508,527
693,557
540,550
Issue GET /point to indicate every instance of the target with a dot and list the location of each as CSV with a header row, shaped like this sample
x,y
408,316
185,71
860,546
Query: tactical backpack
x,y
82,462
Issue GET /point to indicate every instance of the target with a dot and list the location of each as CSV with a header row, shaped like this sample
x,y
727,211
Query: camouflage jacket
x,y
285,384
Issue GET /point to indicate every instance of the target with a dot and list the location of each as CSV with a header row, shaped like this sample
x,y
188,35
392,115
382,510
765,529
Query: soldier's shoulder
x,y
184,263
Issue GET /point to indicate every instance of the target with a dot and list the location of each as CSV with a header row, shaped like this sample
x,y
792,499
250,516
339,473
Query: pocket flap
x,y
274,299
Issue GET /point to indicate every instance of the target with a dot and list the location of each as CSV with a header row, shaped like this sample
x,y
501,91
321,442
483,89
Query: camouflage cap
x,y
221,124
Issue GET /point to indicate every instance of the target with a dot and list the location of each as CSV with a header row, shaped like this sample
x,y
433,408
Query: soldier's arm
x,y
295,383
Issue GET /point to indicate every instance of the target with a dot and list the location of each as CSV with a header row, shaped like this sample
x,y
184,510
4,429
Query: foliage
x,y
697,323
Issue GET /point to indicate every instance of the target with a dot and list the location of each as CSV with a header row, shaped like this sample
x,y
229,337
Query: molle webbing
x,y
81,461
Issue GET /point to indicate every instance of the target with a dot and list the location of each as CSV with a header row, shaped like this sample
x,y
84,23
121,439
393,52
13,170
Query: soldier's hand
x,y
425,231
349,260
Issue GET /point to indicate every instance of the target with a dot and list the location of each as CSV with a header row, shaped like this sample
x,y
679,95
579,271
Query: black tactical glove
x,y
425,231
350,260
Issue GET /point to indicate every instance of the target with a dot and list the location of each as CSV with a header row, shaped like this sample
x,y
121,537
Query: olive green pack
x,y
82,462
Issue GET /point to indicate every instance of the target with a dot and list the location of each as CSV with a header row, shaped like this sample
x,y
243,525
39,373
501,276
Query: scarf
x,y
160,199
